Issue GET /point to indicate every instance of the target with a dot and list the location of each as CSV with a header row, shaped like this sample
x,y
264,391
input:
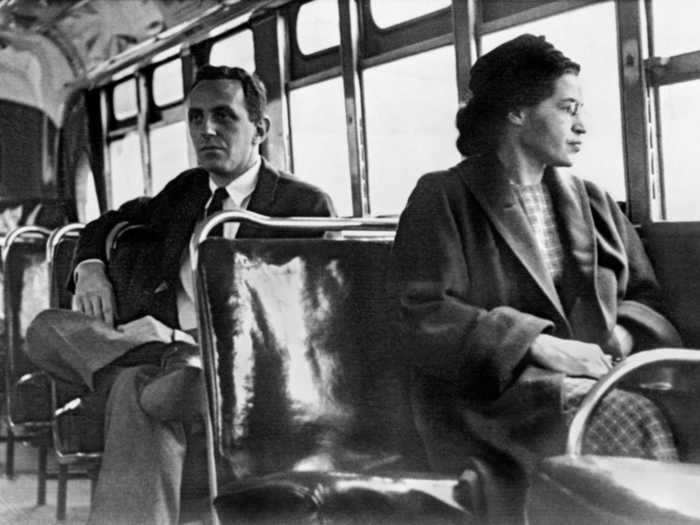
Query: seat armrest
x,y
612,378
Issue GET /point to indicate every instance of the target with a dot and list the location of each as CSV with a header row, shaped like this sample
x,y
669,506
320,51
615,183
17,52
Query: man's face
x,y
553,129
225,139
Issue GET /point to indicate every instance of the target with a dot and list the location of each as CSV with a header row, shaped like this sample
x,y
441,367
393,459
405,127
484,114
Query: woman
x,y
519,285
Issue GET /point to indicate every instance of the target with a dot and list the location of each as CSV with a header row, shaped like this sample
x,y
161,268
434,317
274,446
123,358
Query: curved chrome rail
x,y
634,362
69,230
298,223
26,232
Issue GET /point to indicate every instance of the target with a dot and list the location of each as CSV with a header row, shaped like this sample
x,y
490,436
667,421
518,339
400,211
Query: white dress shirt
x,y
239,191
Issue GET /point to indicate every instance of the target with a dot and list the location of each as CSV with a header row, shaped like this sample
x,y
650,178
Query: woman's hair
x,y
519,73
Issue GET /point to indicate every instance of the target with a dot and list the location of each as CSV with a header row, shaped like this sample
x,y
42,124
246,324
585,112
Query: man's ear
x,y
262,128
516,116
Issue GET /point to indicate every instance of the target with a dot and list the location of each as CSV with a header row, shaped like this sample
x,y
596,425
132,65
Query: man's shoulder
x,y
185,179
287,182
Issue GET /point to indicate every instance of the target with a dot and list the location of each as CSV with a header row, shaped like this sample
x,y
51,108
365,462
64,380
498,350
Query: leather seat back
x,y
301,354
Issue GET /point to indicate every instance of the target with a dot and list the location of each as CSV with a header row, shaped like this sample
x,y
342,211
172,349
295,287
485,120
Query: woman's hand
x,y
94,295
573,358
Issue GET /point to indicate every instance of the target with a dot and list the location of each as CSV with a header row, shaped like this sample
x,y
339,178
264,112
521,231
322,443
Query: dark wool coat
x,y
474,293
171,216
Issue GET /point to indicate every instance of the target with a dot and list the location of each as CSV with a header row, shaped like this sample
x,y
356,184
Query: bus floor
x,y
18,495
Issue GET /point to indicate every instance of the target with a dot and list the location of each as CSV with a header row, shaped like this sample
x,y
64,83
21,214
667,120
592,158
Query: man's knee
x,y
40,334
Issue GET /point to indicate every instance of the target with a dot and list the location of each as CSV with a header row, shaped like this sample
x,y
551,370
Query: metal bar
x,y
535,13
464,29
354,107
663,71
271,50
577,429
635,114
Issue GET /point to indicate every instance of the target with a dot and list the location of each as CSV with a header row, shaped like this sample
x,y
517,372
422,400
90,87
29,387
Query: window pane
x,y
167,83
387,13
675,26
410,107
126,170
601,159
319,140
236,50
124,99
680,113
317,26
168,153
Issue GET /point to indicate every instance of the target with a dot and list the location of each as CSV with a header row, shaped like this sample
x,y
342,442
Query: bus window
x,y
601,158
125,169
386,13
124,99
235,50
168,153
317,26
680,113
167,83
675,26
410,108
319,140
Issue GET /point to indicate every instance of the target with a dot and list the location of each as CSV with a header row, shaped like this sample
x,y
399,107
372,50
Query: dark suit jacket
x,y
170,218
474,293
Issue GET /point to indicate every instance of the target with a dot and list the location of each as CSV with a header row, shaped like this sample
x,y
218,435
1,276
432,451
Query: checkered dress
x,y
537,203
625,423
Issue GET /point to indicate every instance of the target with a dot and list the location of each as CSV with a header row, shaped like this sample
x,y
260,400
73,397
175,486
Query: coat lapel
x,y
263,198
494,193
590,315
185,210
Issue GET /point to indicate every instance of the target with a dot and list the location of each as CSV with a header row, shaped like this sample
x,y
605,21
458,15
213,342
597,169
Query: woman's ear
x,y
516,116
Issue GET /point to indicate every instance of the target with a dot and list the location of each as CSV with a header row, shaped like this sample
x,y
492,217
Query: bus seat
x,y
614,491
310,418
27,389
578,489
674,250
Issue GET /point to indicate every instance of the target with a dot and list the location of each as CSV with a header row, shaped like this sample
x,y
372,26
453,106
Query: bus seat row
x,y
309,419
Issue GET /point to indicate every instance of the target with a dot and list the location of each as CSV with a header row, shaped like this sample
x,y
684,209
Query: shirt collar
x,y
240,188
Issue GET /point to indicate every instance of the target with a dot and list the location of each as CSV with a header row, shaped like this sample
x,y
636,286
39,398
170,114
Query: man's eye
x,y
195,119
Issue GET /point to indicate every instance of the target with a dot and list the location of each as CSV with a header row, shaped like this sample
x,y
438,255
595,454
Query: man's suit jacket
x,y
474,293
170,218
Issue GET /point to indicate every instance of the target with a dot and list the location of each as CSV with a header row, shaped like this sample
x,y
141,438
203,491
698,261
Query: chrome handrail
x,y
73,229
634,362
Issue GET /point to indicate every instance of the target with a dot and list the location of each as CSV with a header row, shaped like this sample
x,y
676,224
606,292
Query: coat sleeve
x,y
91,244
641,310
483,349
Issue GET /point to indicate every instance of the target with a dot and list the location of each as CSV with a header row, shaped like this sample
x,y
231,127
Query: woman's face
x,y
552,130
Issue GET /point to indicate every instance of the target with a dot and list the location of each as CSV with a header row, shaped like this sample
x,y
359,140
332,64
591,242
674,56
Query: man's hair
x,y
254,91
519,73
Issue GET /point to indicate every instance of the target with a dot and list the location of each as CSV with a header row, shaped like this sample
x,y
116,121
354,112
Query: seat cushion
x,y
296,498
614,490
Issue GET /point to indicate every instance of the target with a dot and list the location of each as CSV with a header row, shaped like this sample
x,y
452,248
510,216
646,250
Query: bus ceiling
x,y
48,49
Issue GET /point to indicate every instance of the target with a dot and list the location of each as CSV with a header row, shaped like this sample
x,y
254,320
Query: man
x,y
155,389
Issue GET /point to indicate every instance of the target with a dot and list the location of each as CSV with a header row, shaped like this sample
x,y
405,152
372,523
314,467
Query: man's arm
x,y
93,292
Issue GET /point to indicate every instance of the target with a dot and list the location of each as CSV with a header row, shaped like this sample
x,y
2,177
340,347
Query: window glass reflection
x,y
236,50
319,140
386,13
317,26
125,168
410,108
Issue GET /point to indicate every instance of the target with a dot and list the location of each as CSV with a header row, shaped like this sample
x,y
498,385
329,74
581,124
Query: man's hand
x,y
94,295
574,358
